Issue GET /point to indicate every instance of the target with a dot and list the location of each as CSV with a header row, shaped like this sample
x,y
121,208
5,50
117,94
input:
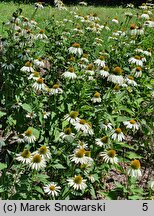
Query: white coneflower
x,y
28,136
80,156
39,62
39,5
134,169
77,182
31,115
82,125
72,117
100,62
137,72
39,84
138,60
132,124
37,162
82,145
44,152
149,23
143,6
89,70
56,89
96,98
35,75
151,183
46,114
145,16
133,29
67,134
109,156
130,81
116,77
118,134
106,126
147,52
8,66
140,30
24,157
28,67
115,20
52,189
70,74
103,72
85,58
41,35
104,141
75,49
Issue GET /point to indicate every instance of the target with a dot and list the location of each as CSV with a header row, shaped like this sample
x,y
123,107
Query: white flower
x,y
55,89
24,157
70,74
67,134
118,134
28,136
8,66
31,115
46,114
115,20
44,152
103,72
138,60
100,62
39,5
72,117
106,126
84,126
132,124
77,182
134,169
151,184
109,156
41,35
52,189
39,62
75,49
79,156
27,67
35,75
104,141
39,84
37,162
116,79
145,16
130,81
137,72
96,98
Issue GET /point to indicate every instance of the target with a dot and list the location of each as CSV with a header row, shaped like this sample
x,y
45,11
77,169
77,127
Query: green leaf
x,y
41,177
64,124
38,189
2,114
58,166
133,155
2,143
26,107
3,166
92,192
2,189
122,118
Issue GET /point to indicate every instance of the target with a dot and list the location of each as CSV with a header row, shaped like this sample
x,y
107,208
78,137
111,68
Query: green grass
x,y
104,13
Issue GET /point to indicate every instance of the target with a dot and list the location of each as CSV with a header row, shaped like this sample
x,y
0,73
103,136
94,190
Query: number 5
x,y
145,207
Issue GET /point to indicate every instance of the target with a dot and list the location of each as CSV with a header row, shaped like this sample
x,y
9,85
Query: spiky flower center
x,y
111,153
40,81
102,58
28,133
71,69
80,153
82,121
138,69
43,150
133,26
130,77
76,45
132,121
85,55
37,158
52,188
36,74
138,57
74,114
106,68
78,179
28,64
118,130
68,131
90,67
116,87
25,154
56,86
135,164
97,95
41,31
117,70
104,139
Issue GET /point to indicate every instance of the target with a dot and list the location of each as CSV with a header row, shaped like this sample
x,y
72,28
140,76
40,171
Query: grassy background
x,y
104,13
